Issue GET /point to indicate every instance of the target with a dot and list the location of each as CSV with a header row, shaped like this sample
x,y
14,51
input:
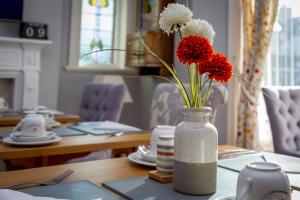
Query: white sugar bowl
x,y
263,181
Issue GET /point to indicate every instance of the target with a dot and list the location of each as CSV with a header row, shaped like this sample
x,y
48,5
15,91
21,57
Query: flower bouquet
x,y
195,50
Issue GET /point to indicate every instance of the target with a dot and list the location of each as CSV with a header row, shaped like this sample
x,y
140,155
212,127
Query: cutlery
x,y
289,172
118,134
234,154
52,181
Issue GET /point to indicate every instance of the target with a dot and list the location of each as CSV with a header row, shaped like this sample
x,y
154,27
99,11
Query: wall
x,y
51,13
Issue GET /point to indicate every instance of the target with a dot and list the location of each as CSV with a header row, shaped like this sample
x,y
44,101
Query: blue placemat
x,y
81,190
287,163
63,131
143,188
89,127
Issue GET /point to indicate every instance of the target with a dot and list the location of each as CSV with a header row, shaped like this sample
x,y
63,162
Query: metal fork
x,y
52,181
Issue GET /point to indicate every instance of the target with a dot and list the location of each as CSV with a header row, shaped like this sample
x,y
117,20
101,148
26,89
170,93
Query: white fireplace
x,y
20,66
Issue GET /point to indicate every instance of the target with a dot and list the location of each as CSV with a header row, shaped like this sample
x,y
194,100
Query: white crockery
x,y
49,118
263,180
137,158
159,130
33,125
9,140
20,138
3,103
146,154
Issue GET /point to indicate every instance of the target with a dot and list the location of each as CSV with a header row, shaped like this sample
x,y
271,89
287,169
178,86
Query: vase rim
x,y
207,110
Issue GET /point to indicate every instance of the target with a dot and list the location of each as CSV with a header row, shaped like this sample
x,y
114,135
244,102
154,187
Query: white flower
x,y
172,15
200,28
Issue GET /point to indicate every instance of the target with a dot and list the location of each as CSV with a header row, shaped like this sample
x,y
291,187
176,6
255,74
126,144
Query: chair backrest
x,y
167,103
284,116
102,102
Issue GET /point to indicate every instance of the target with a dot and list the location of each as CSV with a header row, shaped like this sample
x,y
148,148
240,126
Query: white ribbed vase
x,y
196,153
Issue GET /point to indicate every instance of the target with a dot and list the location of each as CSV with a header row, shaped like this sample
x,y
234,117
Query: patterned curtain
x,y
258,20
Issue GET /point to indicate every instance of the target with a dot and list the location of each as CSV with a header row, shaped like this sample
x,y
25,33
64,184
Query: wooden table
x,y
69,147
95,171
14,120
76,144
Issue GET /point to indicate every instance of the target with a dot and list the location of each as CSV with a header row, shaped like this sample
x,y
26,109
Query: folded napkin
x,y
115,126
6,194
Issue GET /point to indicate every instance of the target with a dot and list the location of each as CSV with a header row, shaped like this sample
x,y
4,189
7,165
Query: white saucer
x,y
9,140
19,138
137,158
146,154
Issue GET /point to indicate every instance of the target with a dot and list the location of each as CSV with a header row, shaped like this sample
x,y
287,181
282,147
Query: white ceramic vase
x,y
196,153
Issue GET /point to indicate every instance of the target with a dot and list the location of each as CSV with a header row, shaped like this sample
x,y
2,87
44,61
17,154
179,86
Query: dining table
x,y
72,145
96,172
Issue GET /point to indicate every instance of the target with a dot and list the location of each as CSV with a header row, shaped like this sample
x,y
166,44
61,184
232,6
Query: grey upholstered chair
x,y
167,103
102,102
284,116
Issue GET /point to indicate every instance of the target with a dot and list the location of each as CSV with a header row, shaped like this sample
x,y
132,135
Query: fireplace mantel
x,y
20,59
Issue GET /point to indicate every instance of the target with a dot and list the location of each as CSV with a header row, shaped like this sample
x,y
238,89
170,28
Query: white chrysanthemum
x,y
172,15
200,28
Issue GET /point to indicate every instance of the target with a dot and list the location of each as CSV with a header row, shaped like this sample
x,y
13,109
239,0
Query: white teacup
x,y
48,116
45,113
158,131
263,181
33,125
3,103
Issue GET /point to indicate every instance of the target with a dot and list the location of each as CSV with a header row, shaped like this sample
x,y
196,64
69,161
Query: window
x,y
97,24
283,61
96,31
283,64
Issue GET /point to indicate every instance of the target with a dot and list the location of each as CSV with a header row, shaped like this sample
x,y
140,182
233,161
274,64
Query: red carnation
x,y
194,49
218,68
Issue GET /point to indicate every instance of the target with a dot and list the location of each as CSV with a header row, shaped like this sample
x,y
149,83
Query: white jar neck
x,y
196,117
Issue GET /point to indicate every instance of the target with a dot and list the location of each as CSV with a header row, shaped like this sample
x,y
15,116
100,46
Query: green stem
x,y
257,88
206,80
207,92
181,86
197,88
192,84
200,86
189,76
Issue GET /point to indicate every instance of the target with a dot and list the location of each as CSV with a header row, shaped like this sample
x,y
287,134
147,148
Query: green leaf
x,y
100,44
181,86
93,44
104,3
93,2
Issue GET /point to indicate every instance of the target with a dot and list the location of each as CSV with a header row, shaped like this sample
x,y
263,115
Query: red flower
x,y
218,68
194,49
